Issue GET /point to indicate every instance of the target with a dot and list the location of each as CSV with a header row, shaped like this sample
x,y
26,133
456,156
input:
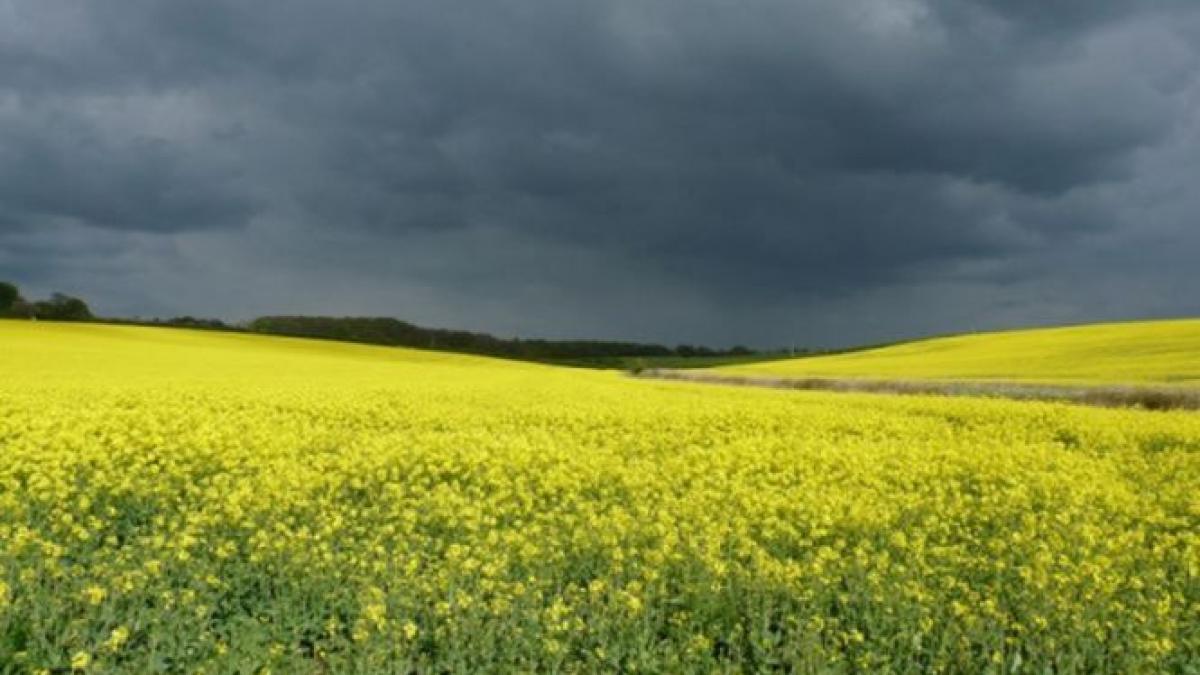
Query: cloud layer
x,y
762,171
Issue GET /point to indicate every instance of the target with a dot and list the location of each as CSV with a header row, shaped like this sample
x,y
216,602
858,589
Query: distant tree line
x,y
59,307
373,330
394,332
194,322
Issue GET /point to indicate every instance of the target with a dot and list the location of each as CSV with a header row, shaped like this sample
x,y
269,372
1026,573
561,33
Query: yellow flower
x,y
376,614
564,509
95,594
117,638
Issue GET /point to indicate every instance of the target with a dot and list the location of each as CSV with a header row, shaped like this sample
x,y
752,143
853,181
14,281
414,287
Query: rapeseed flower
x,y
331,507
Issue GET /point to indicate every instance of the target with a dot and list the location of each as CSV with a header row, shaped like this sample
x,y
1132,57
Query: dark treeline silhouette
x,y
394,332
380,331
59,307
195,322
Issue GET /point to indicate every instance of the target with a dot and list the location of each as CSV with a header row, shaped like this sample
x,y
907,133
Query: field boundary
x,y
1111,396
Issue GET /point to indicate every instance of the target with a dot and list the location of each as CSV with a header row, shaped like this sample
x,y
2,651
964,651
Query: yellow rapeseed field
x,y
1162,352
177,501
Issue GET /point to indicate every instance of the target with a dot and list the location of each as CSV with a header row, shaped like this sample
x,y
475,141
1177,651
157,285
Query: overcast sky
x,y
719,171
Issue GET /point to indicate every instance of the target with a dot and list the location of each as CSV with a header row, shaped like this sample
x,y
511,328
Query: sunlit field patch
x,y
1147,352
183,501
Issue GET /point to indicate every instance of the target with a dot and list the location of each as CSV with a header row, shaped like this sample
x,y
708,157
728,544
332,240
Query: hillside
x,y
1165,352
227,502
78,353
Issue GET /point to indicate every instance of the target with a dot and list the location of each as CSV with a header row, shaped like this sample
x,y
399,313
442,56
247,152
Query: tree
x,y
9,296
62,307
685,350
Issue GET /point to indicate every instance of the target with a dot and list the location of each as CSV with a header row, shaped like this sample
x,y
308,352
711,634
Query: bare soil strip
x,y
1124,396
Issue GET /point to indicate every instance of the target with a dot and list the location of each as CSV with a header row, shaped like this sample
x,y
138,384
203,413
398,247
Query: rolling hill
x,y
227,502
1159,352
79,353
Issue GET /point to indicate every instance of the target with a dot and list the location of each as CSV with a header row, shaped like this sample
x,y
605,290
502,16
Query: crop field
x,y
1147,352
178,501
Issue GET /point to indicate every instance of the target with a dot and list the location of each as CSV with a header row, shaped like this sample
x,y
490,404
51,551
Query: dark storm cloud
x,y
699,169
64,172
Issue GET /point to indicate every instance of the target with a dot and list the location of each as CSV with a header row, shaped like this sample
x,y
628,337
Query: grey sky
x,y
718,171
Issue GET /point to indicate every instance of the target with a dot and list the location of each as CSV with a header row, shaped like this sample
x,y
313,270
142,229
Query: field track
x,y
1148,397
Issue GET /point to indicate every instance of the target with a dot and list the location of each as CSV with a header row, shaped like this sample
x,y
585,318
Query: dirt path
x,y
1124,396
